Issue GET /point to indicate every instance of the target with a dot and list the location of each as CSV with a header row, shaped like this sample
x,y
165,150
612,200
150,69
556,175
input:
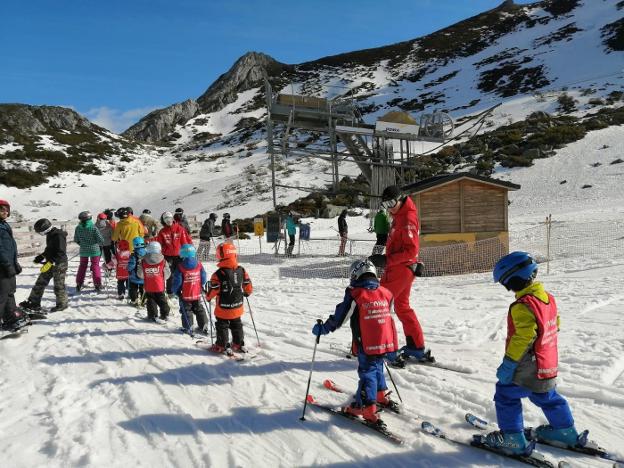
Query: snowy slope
x,y
93,386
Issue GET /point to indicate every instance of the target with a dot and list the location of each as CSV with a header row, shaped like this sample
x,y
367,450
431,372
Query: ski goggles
x,y
389,204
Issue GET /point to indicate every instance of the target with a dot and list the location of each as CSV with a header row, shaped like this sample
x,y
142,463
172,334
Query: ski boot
x,y
58,307
98,288
418,354
78,288
217,348
510,443
238,348
120,297
384,401
368,413
30,306
567,437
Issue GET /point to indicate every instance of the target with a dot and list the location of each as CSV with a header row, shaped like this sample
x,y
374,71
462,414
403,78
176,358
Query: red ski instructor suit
x,y
401,252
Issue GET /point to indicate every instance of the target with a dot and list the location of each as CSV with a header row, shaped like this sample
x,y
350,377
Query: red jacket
x,y
171,238
403,245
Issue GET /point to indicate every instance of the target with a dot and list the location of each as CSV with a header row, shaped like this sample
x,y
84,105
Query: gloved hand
x,y
18,268
320,329
39,259
506,370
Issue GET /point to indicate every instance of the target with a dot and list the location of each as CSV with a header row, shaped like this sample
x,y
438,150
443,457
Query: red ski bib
x,y
545,346
153,276
377,329
123,257
191,282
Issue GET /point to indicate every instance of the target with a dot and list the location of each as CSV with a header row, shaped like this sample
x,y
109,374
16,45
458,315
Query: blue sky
x,y
116,60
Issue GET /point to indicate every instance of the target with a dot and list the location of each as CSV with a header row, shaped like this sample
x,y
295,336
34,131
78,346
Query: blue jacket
x,y
291,226
189,263
347,308
8,247
133,264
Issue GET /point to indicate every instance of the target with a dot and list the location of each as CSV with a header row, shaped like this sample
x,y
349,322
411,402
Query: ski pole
x,y
305,401
394,384
209,307
252,321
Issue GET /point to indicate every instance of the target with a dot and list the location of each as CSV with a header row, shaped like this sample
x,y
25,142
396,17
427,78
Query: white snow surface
x,y
95,386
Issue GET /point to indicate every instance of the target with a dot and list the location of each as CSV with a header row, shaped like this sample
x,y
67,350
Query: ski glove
x,y
505,371
39,259
320,329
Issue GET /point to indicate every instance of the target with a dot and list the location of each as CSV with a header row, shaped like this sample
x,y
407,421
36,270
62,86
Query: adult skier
x,y
207,233
402,251
343,230
171,237
54,261
90,240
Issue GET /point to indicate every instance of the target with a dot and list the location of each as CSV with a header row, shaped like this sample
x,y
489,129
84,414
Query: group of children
x,y
150,275
528,369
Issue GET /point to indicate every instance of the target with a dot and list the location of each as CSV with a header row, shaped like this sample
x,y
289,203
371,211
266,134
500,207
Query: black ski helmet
x,y
42,225
146,211
179,210
122,213
226,215
109,213
213,216
84,215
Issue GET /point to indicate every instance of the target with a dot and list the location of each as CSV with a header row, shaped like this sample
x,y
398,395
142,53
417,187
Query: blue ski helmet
x,y
138,242
153,247
187,251
514,265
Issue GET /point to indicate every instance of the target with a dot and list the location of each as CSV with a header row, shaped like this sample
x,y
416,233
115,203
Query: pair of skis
x,y
534,459
234,356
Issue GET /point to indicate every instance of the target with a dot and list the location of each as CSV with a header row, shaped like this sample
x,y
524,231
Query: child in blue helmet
x,y
135,284
189,278
529,367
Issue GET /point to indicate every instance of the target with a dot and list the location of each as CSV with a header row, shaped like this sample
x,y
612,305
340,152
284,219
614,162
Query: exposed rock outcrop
x,y
158,124
26,119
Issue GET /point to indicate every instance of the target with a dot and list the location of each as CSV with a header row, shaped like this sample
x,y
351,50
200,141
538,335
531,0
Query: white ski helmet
x,y
153,247
167,218
361,267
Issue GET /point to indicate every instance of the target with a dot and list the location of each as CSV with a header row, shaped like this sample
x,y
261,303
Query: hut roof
x,y
443,179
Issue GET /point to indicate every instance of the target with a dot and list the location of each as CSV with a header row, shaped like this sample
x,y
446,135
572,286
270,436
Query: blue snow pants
x,y
508,401
371,373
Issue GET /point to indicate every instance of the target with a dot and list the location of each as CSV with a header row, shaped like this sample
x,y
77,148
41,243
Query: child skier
x,y
54,261
122,257
189,279
154,270
368,307
229,284
529,368
135,284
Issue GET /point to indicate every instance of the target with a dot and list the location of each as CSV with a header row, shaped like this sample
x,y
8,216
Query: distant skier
x,y
154,270
229,284
89,239
180,218
343,230
54,266
207,234
367,306
189,279
529,368
135,283
150,224
226,227
291,228
122,259
381,226
171,237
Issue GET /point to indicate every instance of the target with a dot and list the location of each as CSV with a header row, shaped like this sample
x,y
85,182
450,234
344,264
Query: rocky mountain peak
x,y
246,73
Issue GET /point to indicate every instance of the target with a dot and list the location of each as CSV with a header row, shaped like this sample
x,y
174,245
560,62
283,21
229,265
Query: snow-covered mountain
x,y
211,151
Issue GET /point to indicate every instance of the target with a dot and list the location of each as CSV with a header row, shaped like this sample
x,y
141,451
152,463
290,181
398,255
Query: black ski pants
x,y
155,301
173,264
135,291
188,309
7,299
235,325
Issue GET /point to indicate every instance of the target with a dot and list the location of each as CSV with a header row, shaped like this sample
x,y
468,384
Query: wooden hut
x,y
463,208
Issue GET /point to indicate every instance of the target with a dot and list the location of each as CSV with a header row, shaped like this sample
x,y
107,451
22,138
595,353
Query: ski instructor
x,y
400,269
